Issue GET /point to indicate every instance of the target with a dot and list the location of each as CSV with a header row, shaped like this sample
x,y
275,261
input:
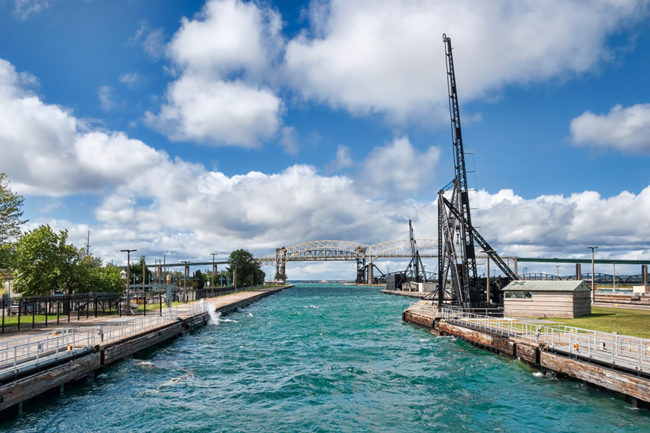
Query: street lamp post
x,y
128,279
593,290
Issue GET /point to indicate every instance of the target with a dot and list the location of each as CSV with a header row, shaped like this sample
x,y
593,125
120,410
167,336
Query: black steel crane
x,y
455,227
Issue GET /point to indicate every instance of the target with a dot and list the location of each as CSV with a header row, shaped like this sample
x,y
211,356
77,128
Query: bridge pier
x,y
280,264
361,272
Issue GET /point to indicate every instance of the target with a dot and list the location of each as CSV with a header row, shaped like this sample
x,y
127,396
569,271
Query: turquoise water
x,y
325,358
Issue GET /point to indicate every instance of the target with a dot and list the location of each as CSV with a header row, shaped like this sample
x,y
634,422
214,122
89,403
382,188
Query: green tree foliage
x,y
108,279
199,280
10,212
136,270
10,220
43,261
247,269
88,275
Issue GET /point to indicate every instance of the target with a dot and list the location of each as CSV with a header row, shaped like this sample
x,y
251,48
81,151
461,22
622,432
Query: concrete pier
x,y
610,361
50,360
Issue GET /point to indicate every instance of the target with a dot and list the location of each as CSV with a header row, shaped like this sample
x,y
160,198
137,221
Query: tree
x,y
107,279
199,280
10,212
88,275
136,272
10,220
247,270
43,261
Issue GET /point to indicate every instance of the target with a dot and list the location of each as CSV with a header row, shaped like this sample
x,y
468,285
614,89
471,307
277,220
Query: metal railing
x,y
622,351
26,353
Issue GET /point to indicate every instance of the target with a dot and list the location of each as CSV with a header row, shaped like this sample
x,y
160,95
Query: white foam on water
x,y
215,316
538,374
176,380
147,364
250,314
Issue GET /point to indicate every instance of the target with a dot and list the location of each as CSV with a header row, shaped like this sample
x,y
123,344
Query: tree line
x,y
42,261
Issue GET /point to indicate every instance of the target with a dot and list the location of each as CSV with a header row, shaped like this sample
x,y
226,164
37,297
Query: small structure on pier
x,y
552,298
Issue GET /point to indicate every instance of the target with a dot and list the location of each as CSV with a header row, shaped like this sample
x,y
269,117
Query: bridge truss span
x,y
336,250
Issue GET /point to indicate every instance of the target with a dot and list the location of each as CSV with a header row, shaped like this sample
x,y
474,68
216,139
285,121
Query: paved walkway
x,y
24,350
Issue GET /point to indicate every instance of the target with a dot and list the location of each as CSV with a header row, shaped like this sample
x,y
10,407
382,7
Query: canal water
x,y
323,358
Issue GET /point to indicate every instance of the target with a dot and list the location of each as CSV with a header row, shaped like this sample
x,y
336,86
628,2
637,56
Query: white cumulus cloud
x,y
399,168
625,129
46,150
387,56
220,96
218,112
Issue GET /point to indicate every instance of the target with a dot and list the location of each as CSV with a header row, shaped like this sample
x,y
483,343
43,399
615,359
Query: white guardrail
x,y
611,348
32,351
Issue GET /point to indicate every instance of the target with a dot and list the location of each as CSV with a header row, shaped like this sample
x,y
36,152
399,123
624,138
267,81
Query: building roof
x,y
548,286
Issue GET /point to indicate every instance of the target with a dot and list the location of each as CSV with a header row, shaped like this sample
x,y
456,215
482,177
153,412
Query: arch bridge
x,y
336,250
345,250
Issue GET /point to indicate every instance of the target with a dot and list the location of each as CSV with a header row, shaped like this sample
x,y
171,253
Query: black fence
x,y
46,310
212,292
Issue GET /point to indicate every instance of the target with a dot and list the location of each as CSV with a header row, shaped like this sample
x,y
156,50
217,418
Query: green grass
x,y
625,321
156,305
39,318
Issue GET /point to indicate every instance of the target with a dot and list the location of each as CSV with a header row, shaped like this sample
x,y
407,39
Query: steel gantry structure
x,y
457,235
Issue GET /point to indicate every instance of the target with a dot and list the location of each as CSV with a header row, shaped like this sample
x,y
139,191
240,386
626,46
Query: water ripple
x,y
322,358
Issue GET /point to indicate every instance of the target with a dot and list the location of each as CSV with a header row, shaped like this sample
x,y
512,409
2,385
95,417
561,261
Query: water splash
x,y
215,316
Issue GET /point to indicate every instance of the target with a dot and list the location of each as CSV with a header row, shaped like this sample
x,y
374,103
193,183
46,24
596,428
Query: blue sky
x,y
183,128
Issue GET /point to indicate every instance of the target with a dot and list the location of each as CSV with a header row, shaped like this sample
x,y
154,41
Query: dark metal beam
x,y
597,261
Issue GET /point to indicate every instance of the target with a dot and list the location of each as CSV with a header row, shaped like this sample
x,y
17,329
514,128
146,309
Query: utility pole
x,y
187,271
213,271
128,279
144,276
487,283
593,278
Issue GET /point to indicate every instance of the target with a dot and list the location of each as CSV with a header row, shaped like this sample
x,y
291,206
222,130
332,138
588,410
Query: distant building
x,y
6,284
547,298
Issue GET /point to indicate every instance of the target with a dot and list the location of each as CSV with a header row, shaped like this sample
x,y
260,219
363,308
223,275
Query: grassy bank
x,y
622,320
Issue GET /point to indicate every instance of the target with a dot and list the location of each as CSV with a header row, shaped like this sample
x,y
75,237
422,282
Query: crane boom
x,y
461,188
